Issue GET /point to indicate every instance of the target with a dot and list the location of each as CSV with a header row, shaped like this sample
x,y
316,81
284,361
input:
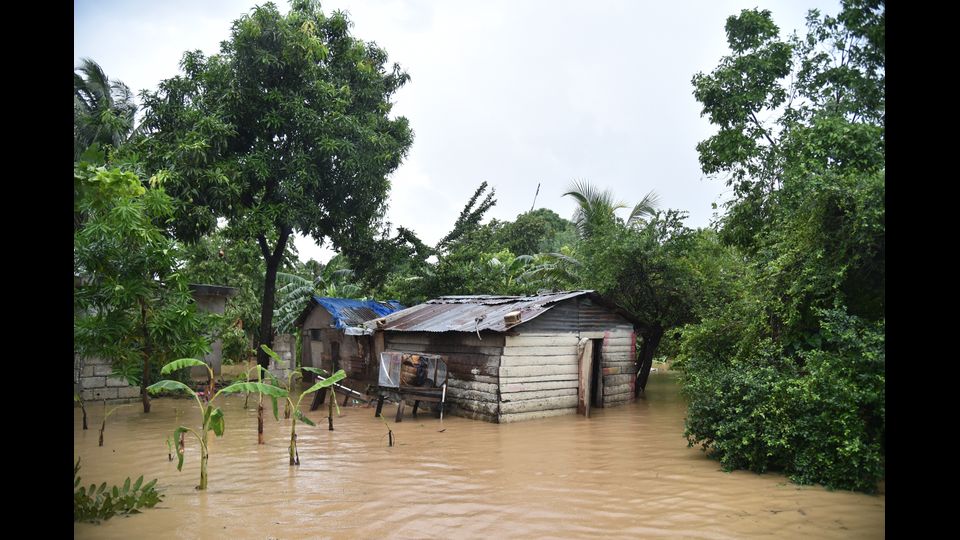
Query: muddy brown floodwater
x,y
625,472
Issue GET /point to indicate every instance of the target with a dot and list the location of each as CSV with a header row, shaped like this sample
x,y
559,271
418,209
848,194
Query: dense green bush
x,y
100,503
819,419
789,375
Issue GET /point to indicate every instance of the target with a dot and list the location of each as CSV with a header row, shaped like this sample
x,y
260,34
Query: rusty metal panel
x,y
598,318
563,318
471,313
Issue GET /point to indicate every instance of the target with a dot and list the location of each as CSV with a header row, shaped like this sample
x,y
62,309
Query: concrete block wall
x,y
285,345
93,381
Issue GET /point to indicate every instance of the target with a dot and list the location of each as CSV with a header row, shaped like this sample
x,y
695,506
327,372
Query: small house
x,y
512,358
333,336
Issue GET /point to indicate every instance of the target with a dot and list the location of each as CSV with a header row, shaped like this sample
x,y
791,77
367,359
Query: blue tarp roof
x,y
348,312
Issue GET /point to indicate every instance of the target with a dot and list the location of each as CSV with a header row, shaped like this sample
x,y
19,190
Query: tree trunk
x,y
272,260
147,353
651,340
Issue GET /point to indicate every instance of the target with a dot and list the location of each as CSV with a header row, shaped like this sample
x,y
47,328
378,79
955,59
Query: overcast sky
x,y
512,92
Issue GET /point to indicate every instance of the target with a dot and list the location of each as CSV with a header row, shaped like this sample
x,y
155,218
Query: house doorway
x,y
590,387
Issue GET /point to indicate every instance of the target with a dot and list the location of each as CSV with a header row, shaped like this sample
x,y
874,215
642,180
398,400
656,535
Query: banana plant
x,y
260,373
212,416
295,407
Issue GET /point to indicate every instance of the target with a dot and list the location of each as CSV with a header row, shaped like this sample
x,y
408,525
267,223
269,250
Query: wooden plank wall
x,y
538,375
618,365
473,367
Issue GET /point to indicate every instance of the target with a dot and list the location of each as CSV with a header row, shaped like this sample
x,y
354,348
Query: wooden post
x,y
400,409
379,405
318,399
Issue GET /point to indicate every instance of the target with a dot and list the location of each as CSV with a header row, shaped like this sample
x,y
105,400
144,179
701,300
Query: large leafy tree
x,y
133,307
222,259
537,231
790,374
660,271
287,130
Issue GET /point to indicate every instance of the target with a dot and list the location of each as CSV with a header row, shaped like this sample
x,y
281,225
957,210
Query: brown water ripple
x,y
623,473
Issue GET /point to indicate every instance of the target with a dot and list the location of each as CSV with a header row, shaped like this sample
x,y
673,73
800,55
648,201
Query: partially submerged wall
x,y
538,376
473,367
285,345
92,380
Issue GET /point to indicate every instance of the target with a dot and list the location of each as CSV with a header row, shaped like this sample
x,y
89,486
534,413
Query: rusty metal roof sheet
x,y
471,313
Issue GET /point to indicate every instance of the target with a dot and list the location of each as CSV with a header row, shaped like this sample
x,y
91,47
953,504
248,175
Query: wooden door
x,y
585,359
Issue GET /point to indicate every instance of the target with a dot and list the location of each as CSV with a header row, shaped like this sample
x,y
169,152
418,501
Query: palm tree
x,y
553,271
104,110
596,207
296,291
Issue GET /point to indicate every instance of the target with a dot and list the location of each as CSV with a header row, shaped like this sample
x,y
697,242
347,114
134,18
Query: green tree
x,y
469,219
661,272
133,308
537,231
287,130
790,374
225,258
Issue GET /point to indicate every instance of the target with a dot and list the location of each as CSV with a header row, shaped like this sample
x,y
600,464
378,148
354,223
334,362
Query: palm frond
x,y
647,207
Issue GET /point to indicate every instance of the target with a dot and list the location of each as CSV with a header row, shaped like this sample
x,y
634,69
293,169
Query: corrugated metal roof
x,y
348,312
471,313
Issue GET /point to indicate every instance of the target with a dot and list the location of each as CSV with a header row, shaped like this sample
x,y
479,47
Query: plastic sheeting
x,y
391,363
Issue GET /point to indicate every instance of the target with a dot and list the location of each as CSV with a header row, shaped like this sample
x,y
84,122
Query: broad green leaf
x,y
169,385
338,376
149,485
303,418
276,412
261,388
317,371
180,364
126,485
272,354
216,421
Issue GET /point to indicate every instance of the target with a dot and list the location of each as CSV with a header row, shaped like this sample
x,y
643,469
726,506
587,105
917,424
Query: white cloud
x,y
514,93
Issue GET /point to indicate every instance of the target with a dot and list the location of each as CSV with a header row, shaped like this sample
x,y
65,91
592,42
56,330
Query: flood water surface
x,y
626,472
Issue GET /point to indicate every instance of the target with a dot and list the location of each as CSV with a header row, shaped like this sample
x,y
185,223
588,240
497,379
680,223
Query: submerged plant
x,y
103,424
99,503
212,415
295,407
83,408
260,373
389,432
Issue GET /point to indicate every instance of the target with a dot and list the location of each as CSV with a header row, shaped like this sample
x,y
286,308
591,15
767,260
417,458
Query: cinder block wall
x,y
93,381
285,345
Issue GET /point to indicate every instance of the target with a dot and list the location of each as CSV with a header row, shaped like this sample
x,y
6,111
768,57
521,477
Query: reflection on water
x,y
624,472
